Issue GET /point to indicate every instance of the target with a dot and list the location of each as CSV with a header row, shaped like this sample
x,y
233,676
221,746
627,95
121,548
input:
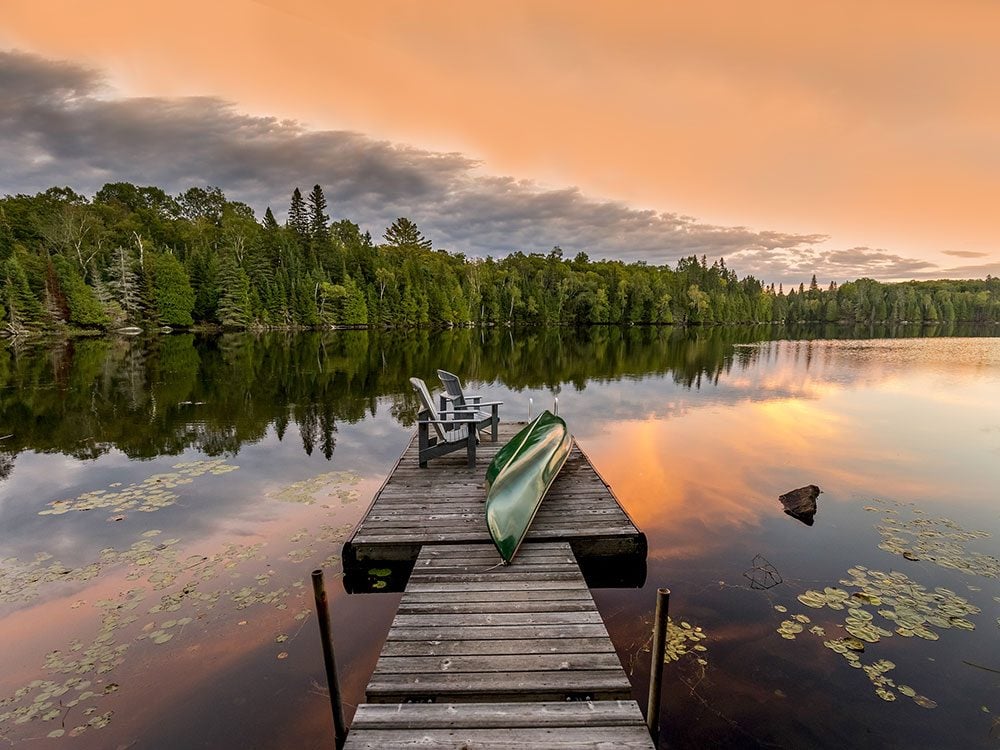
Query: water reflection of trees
x,y
164,394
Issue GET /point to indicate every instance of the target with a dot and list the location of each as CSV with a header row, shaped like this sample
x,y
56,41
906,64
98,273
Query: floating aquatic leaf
x,y
779,608
924,702
813,599
380,572
281,638
283,655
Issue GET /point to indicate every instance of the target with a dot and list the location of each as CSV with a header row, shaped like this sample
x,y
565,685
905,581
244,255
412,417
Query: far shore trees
x,y
134,255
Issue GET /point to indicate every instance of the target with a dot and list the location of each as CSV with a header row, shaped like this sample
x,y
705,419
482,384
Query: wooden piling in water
x,y
323,612
656,666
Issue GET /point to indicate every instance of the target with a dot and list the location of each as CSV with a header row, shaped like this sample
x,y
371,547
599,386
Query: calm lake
x,y
163,501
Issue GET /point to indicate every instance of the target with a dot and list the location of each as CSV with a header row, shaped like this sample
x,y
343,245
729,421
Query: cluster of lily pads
x,y
305,492
55,699
325,536
20,580
937,540
880,604
683,639
899,603
151,494
189,587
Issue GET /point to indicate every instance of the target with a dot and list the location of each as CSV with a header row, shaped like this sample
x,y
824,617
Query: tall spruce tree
x,y
298,221
234,303
24,311
319,221
270,223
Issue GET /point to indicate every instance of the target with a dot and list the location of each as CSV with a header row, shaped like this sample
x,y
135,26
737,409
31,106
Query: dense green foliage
x,y
137,256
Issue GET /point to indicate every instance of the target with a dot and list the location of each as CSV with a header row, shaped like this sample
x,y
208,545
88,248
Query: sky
x,y
844,139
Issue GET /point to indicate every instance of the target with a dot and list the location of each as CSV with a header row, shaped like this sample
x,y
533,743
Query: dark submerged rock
x,y
801,503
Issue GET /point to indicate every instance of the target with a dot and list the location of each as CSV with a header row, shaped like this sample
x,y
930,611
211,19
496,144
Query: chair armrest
x,y
448,421
479,403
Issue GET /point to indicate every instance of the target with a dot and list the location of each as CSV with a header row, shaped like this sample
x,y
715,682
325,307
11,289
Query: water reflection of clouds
x,y
691,465
368,448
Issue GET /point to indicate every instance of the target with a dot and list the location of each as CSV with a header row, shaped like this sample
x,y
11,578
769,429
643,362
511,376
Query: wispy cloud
x,y
60,125
965,253
828,264
977,271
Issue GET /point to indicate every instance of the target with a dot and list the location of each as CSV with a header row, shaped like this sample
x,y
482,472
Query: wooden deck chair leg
x,y
423,442
471,442
495,422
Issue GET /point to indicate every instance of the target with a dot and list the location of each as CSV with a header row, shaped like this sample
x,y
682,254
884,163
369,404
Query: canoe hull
x,y
520,475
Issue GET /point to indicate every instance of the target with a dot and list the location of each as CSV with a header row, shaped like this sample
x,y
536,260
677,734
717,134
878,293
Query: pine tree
x,y
318,219
24,311
270,223
403,233
174,296
83,307
6,238
234,304
297,219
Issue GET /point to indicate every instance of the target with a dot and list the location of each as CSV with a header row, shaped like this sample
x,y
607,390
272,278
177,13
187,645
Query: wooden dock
x,y
444,504
481,656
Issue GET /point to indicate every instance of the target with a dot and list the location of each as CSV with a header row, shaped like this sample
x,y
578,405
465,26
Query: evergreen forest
x,y
136,256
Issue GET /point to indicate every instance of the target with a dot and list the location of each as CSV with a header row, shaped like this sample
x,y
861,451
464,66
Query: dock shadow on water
x,y
163,501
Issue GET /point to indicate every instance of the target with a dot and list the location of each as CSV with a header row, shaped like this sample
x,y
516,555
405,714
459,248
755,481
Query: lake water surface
x,y
163,501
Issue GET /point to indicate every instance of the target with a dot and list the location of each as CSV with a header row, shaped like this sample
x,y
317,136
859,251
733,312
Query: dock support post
x,y
656,667
323,612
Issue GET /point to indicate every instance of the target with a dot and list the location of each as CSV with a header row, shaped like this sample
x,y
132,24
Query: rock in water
x,y
801,503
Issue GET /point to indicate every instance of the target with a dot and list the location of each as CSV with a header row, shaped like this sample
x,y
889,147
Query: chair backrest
x,y
427,405
452,386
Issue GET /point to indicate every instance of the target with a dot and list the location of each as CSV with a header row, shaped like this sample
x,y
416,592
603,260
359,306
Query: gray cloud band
x,y
59,125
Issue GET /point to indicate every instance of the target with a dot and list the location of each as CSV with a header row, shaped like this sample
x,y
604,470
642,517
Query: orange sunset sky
x,y
845,139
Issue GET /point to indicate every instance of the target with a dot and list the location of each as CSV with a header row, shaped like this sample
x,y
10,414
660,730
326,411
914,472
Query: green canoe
x,y
519,476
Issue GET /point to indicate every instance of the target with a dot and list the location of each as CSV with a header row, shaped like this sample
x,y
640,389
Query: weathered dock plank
x,y
487,656
444,505
541,597
503,738
487,715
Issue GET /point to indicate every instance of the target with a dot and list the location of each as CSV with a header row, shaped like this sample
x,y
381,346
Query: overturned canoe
x,y
519,476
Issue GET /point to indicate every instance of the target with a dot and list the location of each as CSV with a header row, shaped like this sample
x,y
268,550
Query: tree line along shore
x,y
136,256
